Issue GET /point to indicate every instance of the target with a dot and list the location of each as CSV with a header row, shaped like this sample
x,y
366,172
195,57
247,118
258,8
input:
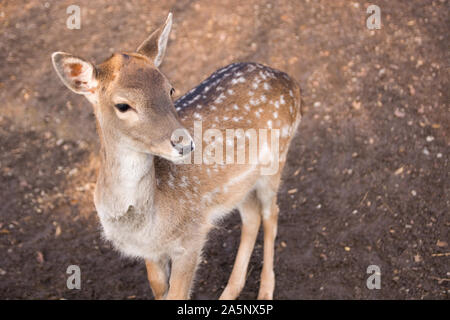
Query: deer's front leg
x,y
158,277
182,275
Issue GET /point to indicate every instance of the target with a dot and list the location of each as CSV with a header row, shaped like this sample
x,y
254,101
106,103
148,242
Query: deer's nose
x,y
182,147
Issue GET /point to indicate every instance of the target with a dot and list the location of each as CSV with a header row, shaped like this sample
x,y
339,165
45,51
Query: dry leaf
x,y
40,257
356,105
58,231
441,244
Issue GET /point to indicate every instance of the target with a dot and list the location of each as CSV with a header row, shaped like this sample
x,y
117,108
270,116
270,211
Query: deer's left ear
x,y
76,73
155,45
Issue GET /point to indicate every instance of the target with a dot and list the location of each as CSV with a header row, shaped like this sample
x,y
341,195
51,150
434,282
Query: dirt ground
x,y
369,165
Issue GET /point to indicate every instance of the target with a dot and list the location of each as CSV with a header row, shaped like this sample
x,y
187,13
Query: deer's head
x,y
132,99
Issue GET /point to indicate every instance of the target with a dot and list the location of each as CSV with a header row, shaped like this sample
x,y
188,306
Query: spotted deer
x,y
154,205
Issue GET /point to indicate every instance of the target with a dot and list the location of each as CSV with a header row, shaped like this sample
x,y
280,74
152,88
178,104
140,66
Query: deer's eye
x,y
172,91
122,107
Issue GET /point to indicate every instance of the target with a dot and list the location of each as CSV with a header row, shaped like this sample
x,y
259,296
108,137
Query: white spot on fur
x,y
285,131
277,104
197,116
184,182
220,98
237,80
250,68
254,102
263,76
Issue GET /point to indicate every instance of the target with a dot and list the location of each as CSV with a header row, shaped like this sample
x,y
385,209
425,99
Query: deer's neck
x,y
126,181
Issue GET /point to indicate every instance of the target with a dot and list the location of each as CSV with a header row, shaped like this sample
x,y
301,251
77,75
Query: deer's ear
x,y
77,74
155,45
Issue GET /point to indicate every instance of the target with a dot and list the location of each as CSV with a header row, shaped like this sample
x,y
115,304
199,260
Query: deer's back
x,y
242,95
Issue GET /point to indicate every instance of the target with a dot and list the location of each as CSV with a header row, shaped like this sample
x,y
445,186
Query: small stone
x,y
439,155
356,105
317,104
441,244
57,231
399,113
292,191
347,249
430,138
414,193
426,152
40,257
398,171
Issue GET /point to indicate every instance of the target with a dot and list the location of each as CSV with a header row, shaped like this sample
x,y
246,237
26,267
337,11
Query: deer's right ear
x,y
77,74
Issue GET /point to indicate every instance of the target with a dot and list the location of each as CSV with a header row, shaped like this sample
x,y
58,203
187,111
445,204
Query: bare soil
x,y
370,162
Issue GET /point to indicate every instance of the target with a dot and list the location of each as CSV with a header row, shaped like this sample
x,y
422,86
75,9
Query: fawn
x,y
151,204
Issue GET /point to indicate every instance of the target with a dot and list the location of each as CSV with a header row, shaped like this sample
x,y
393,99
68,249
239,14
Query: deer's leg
x,y
267,284
251,220
267,194
158,278
182,275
